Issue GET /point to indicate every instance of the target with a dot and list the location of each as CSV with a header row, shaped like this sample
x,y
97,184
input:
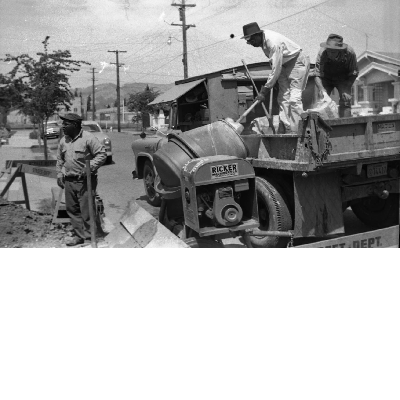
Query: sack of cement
x,y
260,125
326,107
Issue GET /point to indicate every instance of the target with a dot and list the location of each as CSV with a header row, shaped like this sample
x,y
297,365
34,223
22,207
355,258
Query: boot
x,y
73,241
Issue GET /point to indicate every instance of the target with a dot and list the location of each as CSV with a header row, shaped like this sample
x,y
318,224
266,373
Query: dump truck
x,y
275,190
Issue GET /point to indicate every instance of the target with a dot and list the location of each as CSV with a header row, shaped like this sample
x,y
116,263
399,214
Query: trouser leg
x,y
292,82
297,81
84,205
72,205
344,87
283,99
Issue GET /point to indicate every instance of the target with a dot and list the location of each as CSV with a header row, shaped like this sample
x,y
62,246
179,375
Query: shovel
x,y
247,111
91,206
271,125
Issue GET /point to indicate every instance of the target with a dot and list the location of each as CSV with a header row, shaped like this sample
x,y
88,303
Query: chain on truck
x,y
220,178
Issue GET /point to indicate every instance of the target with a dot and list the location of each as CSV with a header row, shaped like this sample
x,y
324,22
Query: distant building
x,y
377,88
110,115
78,106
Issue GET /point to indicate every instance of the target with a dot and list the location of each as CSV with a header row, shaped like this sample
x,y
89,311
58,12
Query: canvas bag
x,y
326,107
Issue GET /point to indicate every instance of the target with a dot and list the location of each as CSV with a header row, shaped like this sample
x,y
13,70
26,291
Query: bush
x,y
34,134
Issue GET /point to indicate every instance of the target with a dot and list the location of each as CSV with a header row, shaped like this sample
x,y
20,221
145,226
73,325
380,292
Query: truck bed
x,y
353,141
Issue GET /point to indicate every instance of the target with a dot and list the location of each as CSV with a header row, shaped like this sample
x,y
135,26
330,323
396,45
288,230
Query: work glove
x,y
61,182
261,95
346,97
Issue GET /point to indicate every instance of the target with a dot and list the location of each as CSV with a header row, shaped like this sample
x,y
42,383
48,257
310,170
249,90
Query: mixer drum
x,y
219,138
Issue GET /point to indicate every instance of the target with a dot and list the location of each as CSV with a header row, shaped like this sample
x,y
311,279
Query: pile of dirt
x,y
24,228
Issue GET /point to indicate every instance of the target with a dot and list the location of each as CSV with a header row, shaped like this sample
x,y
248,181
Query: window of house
x,y
75,110
360,94
377,93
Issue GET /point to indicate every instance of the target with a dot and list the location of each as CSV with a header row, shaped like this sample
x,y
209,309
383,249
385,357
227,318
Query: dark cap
x,y
334,41
250,29
71,117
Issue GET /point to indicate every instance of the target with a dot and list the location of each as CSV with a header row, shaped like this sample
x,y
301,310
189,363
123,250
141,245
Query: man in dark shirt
x,y
336,67
75,147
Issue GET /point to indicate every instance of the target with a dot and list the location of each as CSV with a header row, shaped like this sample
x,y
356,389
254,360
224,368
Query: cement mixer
x,y
206,185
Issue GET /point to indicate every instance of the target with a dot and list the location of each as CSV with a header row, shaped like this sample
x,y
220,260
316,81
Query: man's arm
x,y
317,79
60,161
353,67
98,152
276,62
59,165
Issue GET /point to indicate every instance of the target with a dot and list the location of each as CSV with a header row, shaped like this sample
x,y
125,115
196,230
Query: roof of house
x,y
391,55
175,92
389,58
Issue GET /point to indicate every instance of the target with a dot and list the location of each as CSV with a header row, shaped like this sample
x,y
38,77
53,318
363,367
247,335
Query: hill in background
x,y
106,93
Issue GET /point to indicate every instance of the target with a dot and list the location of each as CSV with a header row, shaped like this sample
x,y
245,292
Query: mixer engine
x,y
218,194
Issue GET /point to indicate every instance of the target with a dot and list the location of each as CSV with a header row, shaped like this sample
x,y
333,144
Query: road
x,y
116,186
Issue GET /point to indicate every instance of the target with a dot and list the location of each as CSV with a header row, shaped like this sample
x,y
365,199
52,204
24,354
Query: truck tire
x,y
274,215
376,212
153,198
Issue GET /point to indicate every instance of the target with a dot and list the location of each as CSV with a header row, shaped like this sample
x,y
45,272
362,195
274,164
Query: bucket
x,y
219,138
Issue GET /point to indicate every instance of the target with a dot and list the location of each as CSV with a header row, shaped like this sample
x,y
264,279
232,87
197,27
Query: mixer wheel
x,y
273,212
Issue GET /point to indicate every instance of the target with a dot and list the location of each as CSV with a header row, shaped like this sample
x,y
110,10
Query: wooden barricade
x,y
34,167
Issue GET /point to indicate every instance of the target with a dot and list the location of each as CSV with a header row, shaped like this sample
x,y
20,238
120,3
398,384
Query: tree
x,y
9,96
139,102
42,83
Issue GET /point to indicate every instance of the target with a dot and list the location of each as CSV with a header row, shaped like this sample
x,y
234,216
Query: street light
x,y
169,41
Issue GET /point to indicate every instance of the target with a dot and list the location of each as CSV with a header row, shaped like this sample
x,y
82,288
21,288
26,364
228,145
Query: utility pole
x,y
185,27
93,102
118,88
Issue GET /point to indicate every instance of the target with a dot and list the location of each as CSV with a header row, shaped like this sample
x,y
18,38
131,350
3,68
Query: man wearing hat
x,y
336,67
75,147
289,68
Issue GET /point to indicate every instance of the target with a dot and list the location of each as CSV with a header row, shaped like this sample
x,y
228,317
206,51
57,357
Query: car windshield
x,y
91,128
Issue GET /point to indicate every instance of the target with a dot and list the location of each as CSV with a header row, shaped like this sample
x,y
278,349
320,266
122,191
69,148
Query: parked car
x,y
143,149
94,127
53,130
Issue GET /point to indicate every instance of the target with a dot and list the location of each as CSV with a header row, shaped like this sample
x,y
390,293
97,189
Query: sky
x,y
92,28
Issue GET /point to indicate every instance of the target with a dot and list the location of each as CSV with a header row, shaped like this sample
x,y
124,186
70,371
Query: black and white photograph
x,y
142,129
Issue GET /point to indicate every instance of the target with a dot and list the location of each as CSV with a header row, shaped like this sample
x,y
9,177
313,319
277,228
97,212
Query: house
x,y
110,115
377,87
77,106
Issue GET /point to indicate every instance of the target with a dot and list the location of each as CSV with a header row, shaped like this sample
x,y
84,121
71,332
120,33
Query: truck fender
x,y
140,160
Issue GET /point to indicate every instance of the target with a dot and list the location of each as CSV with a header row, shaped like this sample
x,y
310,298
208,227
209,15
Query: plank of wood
x,y
41,171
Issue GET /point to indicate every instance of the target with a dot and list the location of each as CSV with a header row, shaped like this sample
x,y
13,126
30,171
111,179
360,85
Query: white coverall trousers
x,y
292,81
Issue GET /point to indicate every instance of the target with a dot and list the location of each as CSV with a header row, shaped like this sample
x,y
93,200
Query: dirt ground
x,y
23,228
